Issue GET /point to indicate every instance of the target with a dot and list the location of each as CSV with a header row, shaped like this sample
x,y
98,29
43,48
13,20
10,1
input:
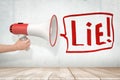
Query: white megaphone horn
x,y
48,31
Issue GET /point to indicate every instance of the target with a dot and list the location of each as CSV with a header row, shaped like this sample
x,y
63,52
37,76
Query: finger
x,y
28,44
27,41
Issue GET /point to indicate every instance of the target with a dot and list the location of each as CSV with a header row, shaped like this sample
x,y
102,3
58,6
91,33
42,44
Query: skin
x,y
19,45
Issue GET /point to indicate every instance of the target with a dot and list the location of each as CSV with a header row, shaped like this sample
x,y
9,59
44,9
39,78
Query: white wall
x,y
40,54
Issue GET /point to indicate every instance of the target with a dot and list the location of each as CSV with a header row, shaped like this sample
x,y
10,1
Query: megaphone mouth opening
x,y
53,30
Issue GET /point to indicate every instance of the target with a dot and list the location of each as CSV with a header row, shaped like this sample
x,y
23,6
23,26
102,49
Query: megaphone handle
x,y
24,37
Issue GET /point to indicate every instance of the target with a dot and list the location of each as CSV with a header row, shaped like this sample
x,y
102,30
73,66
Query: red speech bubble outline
x,y
85,14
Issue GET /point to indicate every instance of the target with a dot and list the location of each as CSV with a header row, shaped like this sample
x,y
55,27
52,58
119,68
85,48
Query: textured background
x,y
40,54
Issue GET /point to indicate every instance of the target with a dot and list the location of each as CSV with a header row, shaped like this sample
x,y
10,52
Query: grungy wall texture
x,y
40,53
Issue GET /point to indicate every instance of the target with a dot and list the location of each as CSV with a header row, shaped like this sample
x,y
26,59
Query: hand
x,y
22,44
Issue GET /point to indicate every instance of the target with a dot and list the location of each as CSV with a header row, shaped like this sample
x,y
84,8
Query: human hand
x,y
22,44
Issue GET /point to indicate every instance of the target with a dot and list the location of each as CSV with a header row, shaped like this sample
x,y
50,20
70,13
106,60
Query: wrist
x,y
14,46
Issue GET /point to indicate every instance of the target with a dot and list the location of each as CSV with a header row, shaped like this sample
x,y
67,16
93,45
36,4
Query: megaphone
x,y
47,30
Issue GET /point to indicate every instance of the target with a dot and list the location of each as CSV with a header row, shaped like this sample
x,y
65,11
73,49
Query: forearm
x,y
19,45
7,48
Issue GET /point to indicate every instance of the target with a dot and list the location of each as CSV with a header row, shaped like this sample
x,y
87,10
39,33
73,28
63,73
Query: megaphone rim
x,y
53,44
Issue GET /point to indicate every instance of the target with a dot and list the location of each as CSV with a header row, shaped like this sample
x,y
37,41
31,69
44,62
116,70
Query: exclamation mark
x,y
108,29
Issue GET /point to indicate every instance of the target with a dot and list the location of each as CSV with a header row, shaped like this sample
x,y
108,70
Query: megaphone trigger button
x,y
20,23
